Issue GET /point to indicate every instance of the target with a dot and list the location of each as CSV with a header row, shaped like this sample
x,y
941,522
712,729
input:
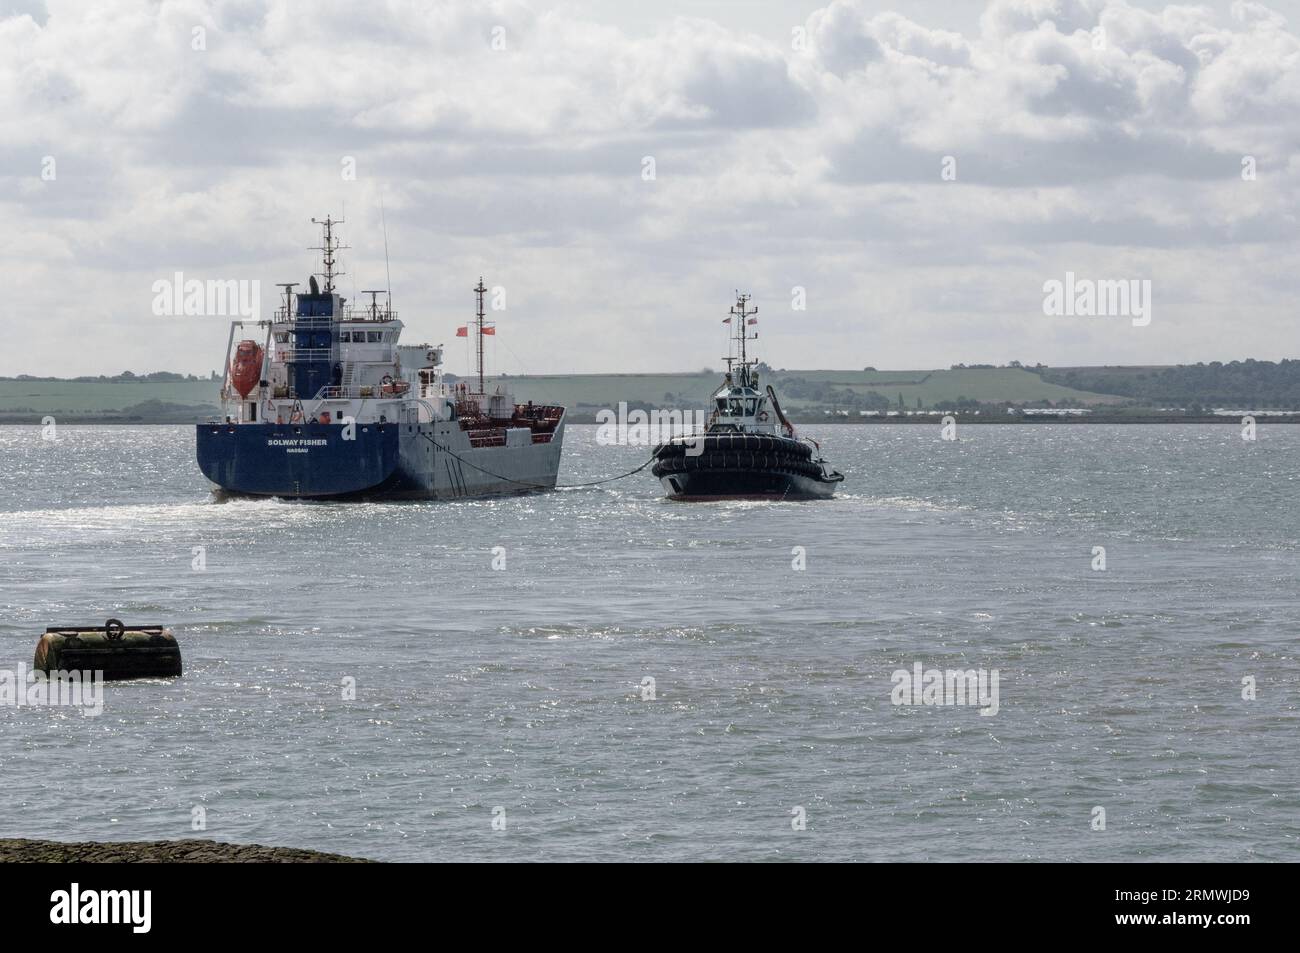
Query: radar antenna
x,y
288,287
374,304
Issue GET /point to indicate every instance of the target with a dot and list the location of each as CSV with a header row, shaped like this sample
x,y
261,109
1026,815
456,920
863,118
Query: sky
x,y
914,174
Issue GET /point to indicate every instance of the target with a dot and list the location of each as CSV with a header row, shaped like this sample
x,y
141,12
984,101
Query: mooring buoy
x,y
114,648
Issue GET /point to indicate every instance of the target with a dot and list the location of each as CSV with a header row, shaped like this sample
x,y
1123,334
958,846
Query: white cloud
x,y
1087,134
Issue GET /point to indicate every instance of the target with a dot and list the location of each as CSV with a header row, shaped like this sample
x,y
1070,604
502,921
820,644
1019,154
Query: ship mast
x,y
740,316
328,250
481,327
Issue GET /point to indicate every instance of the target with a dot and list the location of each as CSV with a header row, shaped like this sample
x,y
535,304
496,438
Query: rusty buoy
x,y
114,648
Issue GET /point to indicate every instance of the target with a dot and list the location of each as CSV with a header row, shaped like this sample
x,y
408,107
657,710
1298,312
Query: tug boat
x,y
329,406
749,449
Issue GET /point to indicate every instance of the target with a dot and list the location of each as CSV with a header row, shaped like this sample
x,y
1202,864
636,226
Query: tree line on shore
x,y
1251,383
126,377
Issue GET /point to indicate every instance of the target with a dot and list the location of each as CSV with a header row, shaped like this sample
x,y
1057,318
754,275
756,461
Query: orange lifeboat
x,y
246,367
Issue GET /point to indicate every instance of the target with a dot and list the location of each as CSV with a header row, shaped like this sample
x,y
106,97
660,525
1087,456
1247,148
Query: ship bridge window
x,y
373,337
751,407
345,337
282,337
722,404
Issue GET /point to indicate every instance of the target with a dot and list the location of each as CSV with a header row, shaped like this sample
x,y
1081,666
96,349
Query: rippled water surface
x,y
521,689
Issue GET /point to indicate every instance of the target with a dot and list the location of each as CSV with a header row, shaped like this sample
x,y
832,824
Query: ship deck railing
x,y
287,355
363,314
304,320
361,392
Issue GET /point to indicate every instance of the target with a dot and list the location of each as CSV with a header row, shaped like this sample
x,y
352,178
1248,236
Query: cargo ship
x,y
749,449
324,403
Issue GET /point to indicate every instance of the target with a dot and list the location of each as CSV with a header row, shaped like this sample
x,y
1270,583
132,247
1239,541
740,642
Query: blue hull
x,y
383,461
298,460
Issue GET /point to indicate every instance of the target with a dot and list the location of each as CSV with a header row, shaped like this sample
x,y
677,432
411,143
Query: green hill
x,y
90,398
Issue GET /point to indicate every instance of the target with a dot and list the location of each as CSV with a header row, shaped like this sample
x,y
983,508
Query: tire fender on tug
x,y
786,446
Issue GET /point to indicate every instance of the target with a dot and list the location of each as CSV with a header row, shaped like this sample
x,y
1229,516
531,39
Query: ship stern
x,y
298,461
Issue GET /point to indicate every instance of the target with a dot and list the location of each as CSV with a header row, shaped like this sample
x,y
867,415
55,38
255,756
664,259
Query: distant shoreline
x,y
1133,394
24,851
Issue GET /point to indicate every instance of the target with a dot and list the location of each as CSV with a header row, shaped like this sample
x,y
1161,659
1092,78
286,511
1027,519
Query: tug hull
x,y
705,485
732,465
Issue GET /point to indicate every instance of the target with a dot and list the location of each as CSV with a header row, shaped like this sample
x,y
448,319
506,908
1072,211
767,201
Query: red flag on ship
x,y
752,321
462,332
489,330
726,320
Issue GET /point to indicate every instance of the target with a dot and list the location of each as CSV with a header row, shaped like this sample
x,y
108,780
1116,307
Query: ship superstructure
x,y
325,403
